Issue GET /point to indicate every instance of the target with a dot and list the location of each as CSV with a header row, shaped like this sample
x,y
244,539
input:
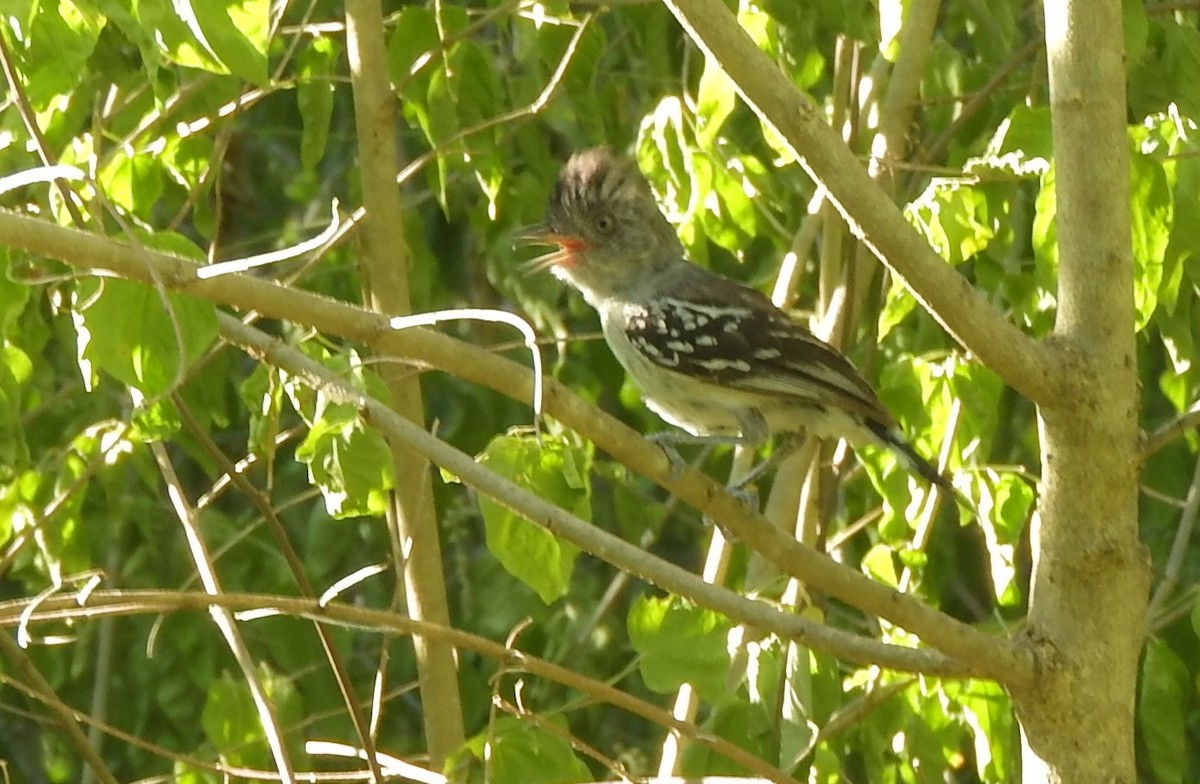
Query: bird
x,y
712,356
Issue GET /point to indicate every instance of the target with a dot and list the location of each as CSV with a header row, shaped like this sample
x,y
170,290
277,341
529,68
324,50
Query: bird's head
x,y
606,225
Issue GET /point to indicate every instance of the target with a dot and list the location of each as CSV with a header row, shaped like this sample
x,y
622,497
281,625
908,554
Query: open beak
x,y
537,234
542,234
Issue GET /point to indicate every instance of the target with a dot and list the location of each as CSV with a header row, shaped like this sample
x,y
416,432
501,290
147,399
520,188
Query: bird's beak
x,y
542,234
537,234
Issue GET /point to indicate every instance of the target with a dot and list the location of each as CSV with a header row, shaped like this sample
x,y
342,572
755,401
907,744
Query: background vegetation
x,y
146,458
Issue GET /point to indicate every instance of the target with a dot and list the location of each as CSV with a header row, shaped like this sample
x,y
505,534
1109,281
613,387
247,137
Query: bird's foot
x,y
668,439
784,450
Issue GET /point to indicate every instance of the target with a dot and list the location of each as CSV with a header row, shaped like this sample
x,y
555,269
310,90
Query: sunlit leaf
x,y
314,96
519,751
1165,686
349,462
127,330
555,471
680,643
1153,213
222,36
715,100
133,182
61,38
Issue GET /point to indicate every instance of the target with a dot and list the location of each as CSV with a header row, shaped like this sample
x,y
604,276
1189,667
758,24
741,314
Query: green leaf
x,y
751,727
1184,246
350,463
61,38
1153,214
262,394
188,160
555,471
235,32
680,643
1182,63
135,183
173,39
1003,512
228,36
121,17
879,562
519,752
14,296
1136,27
232,724
412,44
954,218
1165,689
315,65
989,713
15,371
715,101
125,330
1045,227
1023,142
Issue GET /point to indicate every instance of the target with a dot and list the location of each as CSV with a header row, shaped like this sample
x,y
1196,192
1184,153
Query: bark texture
x,y
1091,577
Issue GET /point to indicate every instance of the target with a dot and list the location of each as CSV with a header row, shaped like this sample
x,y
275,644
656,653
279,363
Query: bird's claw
x,y
745,492
664,441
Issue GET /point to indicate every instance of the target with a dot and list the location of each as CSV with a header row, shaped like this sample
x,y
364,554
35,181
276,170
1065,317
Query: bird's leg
x,y
667,440
787,446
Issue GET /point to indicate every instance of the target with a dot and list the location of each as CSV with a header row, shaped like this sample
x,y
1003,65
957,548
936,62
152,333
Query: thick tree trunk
x,y
1090,576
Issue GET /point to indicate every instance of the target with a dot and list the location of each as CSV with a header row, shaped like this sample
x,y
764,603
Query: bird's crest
x,y
597,176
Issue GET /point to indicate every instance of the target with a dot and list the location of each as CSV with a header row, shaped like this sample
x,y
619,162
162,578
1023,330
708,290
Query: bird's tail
x,y
893,440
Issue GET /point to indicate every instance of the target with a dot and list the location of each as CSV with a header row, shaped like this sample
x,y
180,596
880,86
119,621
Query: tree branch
x,y
101,604
1090,575
590,538
64,715
1188,420
1004,661
875,219
412,522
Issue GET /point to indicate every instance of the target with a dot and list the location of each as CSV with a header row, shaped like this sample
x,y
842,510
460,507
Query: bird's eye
x,y
604,223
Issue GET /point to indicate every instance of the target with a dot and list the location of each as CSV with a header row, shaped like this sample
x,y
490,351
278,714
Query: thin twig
x,y
222,617
260,502
64,715
132,602
1188,420
1179,548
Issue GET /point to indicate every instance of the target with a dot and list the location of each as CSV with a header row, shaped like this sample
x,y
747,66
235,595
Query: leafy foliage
x,y
217,130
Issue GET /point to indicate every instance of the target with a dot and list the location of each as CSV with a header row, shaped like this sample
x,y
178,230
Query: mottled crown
x,y
596,176
596,185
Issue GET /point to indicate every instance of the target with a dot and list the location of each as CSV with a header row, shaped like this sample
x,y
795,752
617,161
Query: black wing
x,y
733,336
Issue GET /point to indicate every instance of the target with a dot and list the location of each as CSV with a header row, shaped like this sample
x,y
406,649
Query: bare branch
x,y
1008,662
122,603
587,536
874,218
1188,420
412,522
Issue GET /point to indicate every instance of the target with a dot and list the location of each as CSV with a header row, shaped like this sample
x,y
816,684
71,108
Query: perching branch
x,y
986,655
588,537
871,214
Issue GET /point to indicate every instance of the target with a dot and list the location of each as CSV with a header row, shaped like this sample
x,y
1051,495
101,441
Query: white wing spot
x,y
725,364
